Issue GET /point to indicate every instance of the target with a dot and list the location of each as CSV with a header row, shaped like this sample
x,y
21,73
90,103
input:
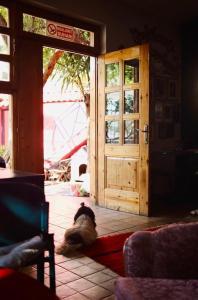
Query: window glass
x,y
112,132
131,71
4,71
57,30
4,44
131,132
112,103
131,101
4,16
112,74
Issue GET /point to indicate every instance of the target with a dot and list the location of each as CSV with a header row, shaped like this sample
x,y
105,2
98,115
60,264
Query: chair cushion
x,y
155,289
21,254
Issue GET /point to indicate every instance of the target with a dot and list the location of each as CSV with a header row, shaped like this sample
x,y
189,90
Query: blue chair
x,y
24,232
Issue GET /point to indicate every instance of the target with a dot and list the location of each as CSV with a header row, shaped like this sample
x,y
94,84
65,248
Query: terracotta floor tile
x,y
85,260
70,264
77,296
96,266
112,297
61,258
58,270
110,272
98,277
66,277
80,284
84,271
108,285
64,291
96,293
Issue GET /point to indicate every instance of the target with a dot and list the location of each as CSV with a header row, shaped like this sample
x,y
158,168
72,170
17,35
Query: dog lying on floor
x,y
82,234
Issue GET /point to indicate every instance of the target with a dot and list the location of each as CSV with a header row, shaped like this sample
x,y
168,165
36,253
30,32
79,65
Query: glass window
x,y
112,103
57,30
112,132
131,131
4,44
4,71
112,74
131,101
4,16
34,24
131,71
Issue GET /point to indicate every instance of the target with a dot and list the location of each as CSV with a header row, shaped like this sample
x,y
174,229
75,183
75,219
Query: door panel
x,y
123,110
121,173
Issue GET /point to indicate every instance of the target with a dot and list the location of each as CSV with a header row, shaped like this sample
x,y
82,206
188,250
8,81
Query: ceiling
x,y
176,11
171,11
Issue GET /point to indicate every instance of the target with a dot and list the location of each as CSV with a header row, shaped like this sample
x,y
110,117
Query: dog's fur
x,y
82,234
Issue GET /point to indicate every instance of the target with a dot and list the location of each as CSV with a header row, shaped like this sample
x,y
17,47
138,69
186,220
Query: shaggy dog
x,y
81,234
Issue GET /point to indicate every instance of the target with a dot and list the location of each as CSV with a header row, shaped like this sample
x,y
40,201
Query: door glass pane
x,y
131,132
131,101
112,74
5,131
4,16
4,71
112,103
4,44
131,71
112,132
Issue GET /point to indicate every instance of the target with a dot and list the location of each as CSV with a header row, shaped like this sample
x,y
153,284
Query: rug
x,y
108,250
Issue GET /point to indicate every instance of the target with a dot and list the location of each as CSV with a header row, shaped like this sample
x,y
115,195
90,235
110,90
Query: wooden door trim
x,y
144,160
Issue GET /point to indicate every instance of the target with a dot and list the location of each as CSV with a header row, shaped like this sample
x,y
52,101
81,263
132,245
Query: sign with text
x,y
60,31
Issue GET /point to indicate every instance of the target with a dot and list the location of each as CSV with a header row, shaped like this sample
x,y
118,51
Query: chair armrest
x,y
138,254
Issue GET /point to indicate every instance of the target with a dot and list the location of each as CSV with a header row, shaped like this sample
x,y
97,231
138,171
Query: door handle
x,y
146,133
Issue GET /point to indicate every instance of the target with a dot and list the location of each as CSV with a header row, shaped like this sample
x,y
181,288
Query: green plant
x,y
2,150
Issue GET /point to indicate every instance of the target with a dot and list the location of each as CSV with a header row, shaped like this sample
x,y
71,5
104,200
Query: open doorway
x,y
66,95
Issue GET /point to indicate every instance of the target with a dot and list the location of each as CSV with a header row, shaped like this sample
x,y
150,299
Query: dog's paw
x,y
60,249
68,250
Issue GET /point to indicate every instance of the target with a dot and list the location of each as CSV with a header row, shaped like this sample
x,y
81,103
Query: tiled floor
x,y
82,278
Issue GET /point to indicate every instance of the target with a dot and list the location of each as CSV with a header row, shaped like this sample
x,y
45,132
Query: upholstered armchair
x,y
162,264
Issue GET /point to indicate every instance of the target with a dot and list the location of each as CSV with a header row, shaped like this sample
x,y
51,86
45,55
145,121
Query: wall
x,y
190,85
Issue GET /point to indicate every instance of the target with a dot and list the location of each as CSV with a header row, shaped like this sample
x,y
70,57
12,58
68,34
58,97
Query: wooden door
x,y
123,123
